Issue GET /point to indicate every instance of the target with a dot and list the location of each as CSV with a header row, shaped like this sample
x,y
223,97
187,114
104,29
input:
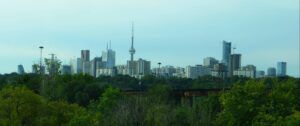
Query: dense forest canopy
x,y
81,100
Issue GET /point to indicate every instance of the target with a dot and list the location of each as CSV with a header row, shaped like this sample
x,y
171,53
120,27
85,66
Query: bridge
x,y
179,93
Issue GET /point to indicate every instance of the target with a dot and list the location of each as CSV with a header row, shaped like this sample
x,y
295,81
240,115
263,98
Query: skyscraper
x,y
85,55
96,63
281,69
85,58
109,56
21,69
234,63
226,52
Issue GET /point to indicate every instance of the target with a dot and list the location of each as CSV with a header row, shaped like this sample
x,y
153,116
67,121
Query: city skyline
x,y
262,42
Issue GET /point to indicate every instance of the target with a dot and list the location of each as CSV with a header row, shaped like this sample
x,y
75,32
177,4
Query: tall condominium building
x,y
76,66
219,70
139,68
109,56
210,62
271,72
246,71
234,63
281,69
197,71
21,69
226,52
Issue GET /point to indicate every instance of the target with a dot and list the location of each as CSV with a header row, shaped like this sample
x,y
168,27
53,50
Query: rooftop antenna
x,y
109,44
233,49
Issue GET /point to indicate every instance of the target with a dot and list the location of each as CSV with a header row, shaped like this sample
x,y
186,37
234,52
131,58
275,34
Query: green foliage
x,y
80,100
253,103
20,106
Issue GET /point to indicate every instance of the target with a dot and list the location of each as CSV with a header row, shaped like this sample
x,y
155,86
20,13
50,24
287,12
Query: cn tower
x,y
132,50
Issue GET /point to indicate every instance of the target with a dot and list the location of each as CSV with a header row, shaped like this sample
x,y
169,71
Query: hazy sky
x,y
174,32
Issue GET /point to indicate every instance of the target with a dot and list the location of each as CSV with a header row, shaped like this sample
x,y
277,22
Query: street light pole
x,y
159,63
41,59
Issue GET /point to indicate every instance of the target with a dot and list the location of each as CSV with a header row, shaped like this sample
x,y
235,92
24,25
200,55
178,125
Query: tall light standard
x,y
159,63
41,59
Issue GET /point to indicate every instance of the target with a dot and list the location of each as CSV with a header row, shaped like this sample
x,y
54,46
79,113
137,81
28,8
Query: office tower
x,y
96,63
85,59
85,55
66,69
109,56
76,66
246,71
281,69
226,52
234,63
197,71
260,74
210,62
271,72
130,64
219,70
21,69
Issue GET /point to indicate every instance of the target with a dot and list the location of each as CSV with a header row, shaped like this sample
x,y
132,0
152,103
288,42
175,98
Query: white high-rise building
x,y
197,71
76,66
122,70
247,71
210,62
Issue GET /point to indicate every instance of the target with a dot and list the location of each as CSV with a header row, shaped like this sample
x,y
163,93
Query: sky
x,y
173,32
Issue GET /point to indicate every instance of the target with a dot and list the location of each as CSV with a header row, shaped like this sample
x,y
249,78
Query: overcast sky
x,y
174,32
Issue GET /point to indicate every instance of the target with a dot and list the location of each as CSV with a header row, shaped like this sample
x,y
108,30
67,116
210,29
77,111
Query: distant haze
x,y
174,32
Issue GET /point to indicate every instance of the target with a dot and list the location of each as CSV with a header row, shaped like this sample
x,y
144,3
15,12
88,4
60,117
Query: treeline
x,y
81,100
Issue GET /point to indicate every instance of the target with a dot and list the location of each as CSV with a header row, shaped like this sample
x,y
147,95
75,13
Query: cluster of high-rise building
x,y
230,65
106,64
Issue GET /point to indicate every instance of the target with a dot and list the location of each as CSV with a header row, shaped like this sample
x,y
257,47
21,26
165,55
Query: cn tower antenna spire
x,y
132,50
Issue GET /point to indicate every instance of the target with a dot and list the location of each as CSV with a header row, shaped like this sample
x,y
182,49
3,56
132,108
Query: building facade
x,y
109,56
226,52
281,69
210,62
194,72
21,69
246,71
234,63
